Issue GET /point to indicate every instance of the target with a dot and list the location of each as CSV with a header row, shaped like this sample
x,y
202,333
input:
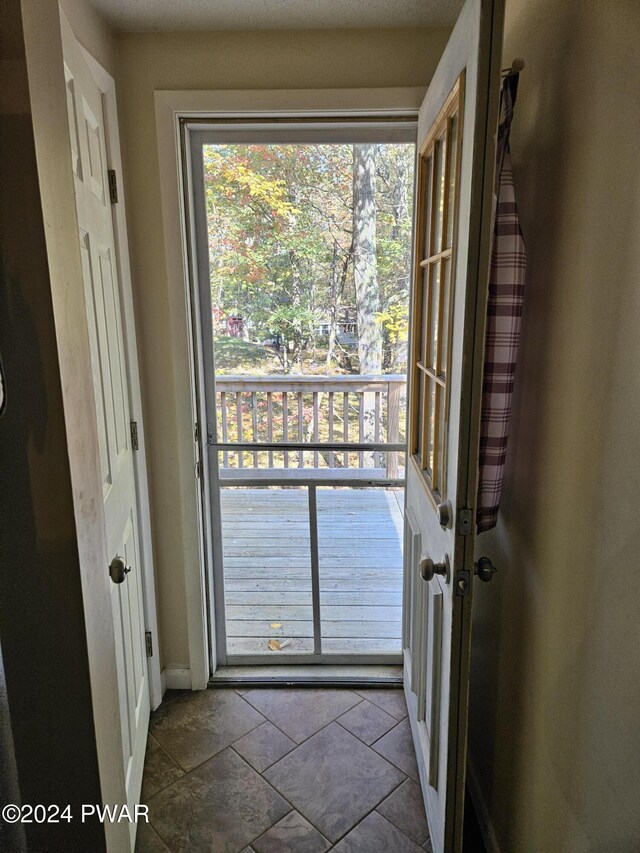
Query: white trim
x,y
211,529
289,103
482,812
106,84
176,678
171,106
173,216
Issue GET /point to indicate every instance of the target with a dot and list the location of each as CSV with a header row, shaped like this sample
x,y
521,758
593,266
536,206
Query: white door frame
x,y
106,85
402,129
173,107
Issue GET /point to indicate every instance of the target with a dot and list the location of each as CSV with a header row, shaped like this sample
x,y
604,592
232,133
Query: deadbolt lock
x,y
118,569
484,569
445,514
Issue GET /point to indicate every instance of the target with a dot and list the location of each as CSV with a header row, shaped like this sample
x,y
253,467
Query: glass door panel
x,y
267,571
360,547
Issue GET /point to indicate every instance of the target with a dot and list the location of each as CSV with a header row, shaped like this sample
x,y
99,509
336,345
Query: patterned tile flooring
x,y
282,770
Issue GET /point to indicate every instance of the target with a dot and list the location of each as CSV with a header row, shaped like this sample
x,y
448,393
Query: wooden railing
x,y
323,411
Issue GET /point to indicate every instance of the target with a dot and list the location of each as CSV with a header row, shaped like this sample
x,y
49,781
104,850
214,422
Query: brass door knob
x,y
428,569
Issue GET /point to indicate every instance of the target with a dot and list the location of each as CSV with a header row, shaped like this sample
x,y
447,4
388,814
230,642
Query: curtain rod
x,y
516,67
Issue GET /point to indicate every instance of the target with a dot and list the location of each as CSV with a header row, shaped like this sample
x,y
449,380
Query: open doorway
x,y
303,243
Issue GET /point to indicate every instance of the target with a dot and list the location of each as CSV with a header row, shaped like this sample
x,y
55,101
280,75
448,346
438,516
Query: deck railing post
x,y
225,431
393,426
300,428
285,425
316,425
345,426
332,456
239,427
254,425
270,424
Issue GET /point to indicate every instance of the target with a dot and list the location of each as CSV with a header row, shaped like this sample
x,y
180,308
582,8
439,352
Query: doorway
x,y
303,242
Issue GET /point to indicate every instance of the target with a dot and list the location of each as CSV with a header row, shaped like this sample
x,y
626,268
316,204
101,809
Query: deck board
x,y
267,560
369,599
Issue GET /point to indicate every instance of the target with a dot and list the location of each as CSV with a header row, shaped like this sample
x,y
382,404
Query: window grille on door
x,y
438,168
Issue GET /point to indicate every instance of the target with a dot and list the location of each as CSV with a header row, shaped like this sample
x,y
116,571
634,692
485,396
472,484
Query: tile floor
x,y
283,770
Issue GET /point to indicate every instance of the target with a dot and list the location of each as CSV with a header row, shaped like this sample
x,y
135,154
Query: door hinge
x,y
198,469
113,186
465,522
196,432
135,444
148,641
462,583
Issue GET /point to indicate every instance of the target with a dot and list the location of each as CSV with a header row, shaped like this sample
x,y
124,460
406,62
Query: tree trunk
x,y
333,307
365,267
296,301
365,271
399,197
338,280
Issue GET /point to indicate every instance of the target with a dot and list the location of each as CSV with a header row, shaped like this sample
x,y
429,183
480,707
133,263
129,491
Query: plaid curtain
x,y
504,311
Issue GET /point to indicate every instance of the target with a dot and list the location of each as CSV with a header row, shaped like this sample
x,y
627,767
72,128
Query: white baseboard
x,y
175,678
482,812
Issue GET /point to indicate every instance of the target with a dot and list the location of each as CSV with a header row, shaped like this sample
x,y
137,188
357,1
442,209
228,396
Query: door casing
x,y
173,108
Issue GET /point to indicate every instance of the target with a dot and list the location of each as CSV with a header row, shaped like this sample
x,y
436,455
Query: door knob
x,y
118,569
428,569
485,569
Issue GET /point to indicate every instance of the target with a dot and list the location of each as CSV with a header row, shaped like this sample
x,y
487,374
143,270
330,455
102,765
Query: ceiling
x,y
156,15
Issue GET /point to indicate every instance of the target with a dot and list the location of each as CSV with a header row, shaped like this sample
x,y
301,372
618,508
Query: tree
x,y
365,262
339,273
365,275
394,225
285,223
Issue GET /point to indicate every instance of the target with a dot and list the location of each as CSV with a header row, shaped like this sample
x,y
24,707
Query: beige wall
x,y
93,33
555,737
229,60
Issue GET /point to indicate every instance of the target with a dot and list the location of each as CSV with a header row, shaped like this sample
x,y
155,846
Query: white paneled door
x,y
456,162
108,361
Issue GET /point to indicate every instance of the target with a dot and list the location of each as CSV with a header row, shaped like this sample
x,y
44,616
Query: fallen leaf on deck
x,y
276,625
277,646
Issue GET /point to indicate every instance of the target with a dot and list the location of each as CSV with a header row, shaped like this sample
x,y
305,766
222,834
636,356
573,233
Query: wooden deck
x,y
267,570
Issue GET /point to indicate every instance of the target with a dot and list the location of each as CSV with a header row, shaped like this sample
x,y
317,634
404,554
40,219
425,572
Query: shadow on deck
x,y
267,570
